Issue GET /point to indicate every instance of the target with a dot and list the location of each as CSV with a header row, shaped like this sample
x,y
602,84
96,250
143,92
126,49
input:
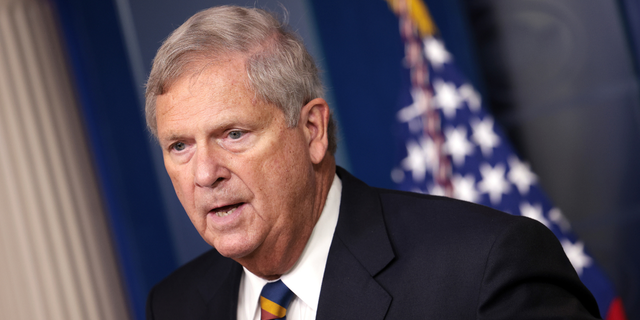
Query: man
x,y
236,104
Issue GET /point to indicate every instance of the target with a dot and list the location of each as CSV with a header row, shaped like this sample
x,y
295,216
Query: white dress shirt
x,y
305,278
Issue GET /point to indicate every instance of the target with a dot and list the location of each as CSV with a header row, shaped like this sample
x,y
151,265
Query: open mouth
x,y
226,210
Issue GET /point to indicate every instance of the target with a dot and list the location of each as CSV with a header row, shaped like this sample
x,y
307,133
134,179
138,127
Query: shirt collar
x,y
305,278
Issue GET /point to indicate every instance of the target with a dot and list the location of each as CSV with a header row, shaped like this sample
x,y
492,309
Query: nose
x,y
210,167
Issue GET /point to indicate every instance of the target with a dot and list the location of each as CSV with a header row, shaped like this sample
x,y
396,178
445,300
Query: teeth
x,y
225,213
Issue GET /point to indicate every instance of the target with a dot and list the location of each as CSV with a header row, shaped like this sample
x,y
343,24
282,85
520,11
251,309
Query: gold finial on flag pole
x,y
418,12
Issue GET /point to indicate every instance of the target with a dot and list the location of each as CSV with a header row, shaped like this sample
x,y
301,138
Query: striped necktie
x,y
274,300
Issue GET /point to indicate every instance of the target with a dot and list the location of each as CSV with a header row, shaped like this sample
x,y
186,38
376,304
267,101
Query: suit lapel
x,y
219,289
360,249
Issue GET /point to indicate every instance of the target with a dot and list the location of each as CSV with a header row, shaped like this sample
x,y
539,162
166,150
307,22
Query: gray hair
x,y
279,68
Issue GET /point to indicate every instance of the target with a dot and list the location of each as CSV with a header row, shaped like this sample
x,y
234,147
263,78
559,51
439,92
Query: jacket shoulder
x,y
190,274
445,212
502,261
188,290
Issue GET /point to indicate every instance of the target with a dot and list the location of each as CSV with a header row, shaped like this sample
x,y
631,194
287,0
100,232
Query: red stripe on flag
x,y
616,311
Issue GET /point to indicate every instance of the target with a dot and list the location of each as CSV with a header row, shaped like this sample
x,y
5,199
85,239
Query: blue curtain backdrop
x,y
115,127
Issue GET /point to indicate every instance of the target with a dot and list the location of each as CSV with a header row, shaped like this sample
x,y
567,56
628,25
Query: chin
x,y
233,250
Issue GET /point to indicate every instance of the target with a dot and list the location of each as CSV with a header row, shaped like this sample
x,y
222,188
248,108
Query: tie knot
x,y
274,300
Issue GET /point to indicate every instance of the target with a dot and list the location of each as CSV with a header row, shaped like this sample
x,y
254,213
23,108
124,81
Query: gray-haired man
x,y
248,141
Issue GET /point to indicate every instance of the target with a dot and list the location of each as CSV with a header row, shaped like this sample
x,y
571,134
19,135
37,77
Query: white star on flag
x,y
534,212
436,190
430,153
417,108
420,158
397,175
457,144
471,96
435,52
484,135
558,218
575,253
493,182
520,174
415,161
464,187
446,97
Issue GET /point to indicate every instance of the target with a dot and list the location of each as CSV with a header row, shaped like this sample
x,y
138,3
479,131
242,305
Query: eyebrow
x,y
177,136
221,126
171,138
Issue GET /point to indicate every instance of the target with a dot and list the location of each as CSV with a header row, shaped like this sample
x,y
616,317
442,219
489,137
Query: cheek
x,y
286,176
279,169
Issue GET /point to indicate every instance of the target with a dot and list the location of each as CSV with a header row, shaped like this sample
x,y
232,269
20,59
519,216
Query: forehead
x,y
209,98
218,75
221,80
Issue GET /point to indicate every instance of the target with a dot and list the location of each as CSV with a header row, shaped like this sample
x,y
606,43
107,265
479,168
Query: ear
x,y
314,120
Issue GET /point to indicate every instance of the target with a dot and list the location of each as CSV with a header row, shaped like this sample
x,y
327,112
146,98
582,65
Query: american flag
x,y
452,146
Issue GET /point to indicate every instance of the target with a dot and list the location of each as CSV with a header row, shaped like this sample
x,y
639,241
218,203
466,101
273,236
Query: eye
x,y
178,146
234,135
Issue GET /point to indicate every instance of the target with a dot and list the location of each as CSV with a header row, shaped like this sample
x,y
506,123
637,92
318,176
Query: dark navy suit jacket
x,y
399,255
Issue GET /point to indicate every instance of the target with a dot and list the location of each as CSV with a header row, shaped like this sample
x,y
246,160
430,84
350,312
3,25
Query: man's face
x,y
244,178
